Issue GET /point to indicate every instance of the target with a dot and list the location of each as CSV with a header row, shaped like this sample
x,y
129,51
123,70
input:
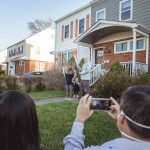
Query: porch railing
x,y
95,74
139,67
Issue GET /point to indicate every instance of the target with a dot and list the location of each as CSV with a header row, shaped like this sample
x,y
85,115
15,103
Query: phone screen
x,y
100,104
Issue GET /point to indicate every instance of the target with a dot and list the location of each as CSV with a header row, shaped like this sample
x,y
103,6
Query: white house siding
x,y
11,60
68,44
3,56
36,49
38,46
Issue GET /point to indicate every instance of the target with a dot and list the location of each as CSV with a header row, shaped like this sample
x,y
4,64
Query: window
x,y
64,59
66,31
81,26
121,47
101,14
125,10
70,55
140,44
21,63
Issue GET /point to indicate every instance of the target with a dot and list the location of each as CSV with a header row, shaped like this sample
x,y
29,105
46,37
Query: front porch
x,y
111,41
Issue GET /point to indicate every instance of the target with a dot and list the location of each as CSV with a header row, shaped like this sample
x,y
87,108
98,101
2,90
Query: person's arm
x,y
76,139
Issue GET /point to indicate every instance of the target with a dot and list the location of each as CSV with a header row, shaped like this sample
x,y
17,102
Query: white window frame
x,y
144,47
99,11
115,47
79,26
66,52
120,12
21,63
128,46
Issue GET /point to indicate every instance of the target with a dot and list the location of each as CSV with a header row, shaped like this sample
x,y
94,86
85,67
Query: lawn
x,y
46,94
56,120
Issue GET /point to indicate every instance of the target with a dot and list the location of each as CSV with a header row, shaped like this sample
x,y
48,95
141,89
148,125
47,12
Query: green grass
x,y
56,120
46,94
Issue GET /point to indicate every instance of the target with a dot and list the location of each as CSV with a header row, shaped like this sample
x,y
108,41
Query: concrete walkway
x,y
52,100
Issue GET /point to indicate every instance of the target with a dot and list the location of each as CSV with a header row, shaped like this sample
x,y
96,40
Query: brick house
x,y
32,53
120,32
68,28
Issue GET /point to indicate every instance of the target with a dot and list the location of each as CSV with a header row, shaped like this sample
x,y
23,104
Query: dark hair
x,y
18,122
135,103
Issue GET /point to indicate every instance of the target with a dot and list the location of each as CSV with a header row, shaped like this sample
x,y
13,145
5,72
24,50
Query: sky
x,y
15,15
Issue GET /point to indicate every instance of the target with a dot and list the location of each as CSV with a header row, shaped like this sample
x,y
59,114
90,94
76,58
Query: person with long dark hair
x,y
18,122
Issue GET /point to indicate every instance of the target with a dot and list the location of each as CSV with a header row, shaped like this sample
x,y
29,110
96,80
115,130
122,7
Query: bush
x,y
54,79
113,83
40,85
141,79
28,84
11,83
2,84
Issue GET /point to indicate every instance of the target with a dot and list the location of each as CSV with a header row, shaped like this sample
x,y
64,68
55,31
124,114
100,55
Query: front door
x,y
99,55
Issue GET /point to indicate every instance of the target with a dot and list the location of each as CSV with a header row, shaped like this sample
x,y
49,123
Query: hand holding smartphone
x,y
98,104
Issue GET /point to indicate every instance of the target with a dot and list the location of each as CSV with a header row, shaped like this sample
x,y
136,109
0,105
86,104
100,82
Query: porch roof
x,y
104,28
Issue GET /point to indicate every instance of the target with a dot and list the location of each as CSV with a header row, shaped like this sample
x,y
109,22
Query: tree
x,y
38,25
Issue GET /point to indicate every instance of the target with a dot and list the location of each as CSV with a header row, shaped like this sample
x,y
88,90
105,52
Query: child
x,y
76,84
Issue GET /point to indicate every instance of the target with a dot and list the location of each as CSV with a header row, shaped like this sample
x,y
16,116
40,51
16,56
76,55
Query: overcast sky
x,y
15,15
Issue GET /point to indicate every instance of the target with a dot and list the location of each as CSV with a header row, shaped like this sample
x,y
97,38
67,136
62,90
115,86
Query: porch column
x,y
91,55
134,52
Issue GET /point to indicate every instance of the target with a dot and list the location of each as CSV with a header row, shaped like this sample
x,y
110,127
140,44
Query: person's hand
x,y
114,109
83,110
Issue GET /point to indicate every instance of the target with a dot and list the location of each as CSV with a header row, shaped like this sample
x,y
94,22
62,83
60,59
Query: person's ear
x,y
121,120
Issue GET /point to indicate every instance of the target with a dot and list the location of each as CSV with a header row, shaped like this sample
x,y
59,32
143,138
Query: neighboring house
x,y
3,60
32,53
68,28
120,32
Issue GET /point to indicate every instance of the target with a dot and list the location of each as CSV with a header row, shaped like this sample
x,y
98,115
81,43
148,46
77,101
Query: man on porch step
x,y
85,77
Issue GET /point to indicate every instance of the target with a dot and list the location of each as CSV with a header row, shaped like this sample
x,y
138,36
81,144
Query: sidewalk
x,y
52,100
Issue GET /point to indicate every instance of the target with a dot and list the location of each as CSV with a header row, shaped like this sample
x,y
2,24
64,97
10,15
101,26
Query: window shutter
x,y
76,28
87,22
71,29
62,33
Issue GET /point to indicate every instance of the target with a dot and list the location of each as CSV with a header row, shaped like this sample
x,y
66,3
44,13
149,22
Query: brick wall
x,y
29,66
122,57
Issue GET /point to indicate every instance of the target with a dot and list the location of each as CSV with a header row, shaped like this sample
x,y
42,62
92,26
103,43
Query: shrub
x,y
39,85
141,79
113,83
11,83
54,79
28,84
2,84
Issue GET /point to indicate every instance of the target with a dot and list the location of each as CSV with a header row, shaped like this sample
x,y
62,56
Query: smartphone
x,y
100,104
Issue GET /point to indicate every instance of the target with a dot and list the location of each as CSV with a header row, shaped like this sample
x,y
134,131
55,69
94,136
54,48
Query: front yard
x,y
56,119
46,94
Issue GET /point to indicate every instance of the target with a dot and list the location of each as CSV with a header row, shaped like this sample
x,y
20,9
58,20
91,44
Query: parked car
x,y
33,74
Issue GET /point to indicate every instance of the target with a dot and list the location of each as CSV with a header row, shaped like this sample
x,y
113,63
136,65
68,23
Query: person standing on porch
x,y
85,77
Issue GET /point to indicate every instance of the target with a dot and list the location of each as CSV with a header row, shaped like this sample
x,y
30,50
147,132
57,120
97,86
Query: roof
x,y
73,12
104,28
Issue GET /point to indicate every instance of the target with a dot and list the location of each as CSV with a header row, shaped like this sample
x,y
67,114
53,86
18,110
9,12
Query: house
x,y
119,31
3,60
32,53
68,28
